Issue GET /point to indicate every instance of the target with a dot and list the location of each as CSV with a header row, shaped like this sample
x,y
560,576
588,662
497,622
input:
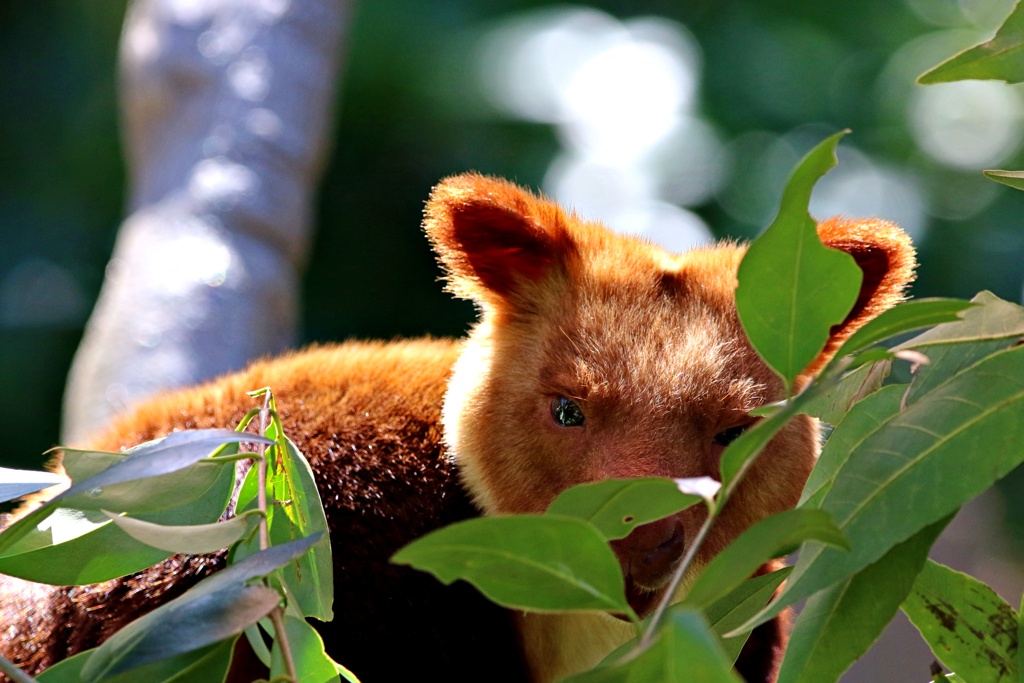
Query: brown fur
x,y
647,343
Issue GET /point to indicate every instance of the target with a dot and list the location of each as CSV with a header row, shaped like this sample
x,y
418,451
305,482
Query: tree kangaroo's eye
x,y
566,413
727,436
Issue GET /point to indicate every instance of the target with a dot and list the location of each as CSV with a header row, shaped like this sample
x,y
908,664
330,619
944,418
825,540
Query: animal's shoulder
x,y
324,393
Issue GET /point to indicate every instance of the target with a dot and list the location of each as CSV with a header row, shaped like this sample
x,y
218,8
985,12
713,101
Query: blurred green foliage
x,y
408,115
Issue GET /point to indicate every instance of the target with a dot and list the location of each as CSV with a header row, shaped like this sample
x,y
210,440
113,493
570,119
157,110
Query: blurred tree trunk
x,y
226,111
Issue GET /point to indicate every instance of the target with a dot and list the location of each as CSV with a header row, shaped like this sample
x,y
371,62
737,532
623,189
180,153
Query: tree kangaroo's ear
x,y
496,241
885,256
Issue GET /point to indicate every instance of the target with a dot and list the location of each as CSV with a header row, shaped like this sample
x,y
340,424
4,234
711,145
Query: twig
x,y
277,614
261,479
277,618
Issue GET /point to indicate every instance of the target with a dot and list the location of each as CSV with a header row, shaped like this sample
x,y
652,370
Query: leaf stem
x,y
277,614
277,618
261,479
16,674
677,577
771,426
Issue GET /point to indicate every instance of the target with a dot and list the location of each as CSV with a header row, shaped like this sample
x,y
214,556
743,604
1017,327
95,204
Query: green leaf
x,y
733,610
174,452
617,506
910,472
103,552
683,651
256,566
192,488
294,511
745,448
1014,179
70,547
186,624
209,665
535,562
966,624
193,538
905,317
991,318
838,625
1001,58
832,400
67,670
344,673
310,581
863,420
772,537
141,496
311,662
18,483
219,604
792,288
948,360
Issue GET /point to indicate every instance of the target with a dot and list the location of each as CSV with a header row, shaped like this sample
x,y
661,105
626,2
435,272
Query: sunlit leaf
x,y
294,511
220,606
617,506
906,317
1001,58
948,360
535,562
63,546
910,472
194,489
193,538
103,552
307,648
683,651
18,483
1014,179
991,318
837,626
968,626
772,537
792,288
310,581
174,452
255,566
186,624
140,496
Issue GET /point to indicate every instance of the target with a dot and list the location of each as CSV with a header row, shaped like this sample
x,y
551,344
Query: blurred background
x,y
679,121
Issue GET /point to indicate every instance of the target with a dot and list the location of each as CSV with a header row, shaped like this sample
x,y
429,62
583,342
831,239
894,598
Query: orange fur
x,y
647,343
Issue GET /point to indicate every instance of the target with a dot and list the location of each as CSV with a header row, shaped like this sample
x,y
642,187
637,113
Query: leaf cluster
x,y
127,511
889,479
